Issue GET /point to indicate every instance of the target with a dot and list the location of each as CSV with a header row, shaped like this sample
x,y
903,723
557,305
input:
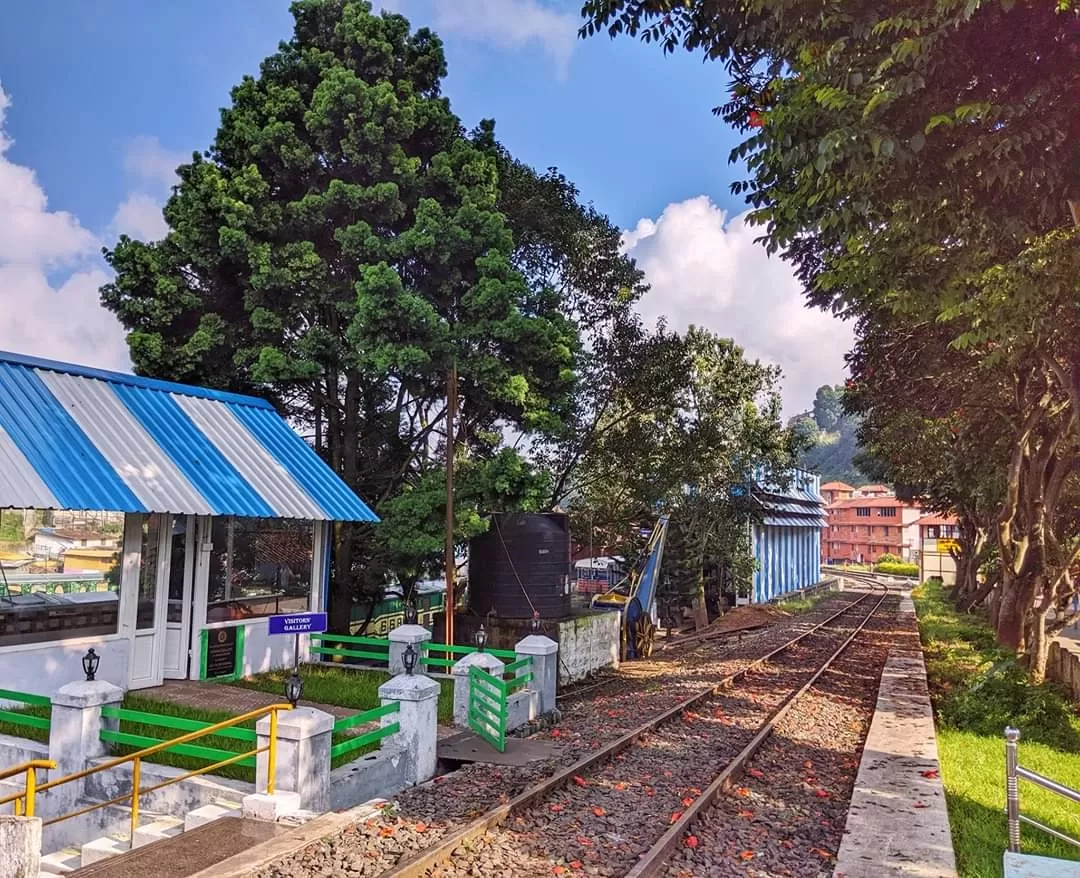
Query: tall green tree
x,y
715,428
337,249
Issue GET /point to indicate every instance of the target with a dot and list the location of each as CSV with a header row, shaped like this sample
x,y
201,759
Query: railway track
x,y
655,769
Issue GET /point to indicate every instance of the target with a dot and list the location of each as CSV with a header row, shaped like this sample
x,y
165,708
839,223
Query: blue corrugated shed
x,y
786,541
78,438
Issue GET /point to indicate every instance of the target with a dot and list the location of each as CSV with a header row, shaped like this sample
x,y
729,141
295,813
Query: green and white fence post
x,y
460,672
544,668
400,638
417,719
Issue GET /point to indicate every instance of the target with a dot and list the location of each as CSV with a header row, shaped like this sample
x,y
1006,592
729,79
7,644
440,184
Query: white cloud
x,y
509,24
148,159
65,321
707,271
139,216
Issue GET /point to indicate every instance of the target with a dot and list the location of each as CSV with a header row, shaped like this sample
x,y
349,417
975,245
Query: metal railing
x,y
1014,773
24,801
136,760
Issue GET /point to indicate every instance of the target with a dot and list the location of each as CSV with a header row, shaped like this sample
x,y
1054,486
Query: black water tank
x,y
522,563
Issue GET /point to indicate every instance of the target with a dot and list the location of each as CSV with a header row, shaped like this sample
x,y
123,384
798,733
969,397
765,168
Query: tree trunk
x,y
341,596
1038,645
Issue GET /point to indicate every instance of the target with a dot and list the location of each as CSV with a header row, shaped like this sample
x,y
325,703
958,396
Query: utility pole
x,y
451,445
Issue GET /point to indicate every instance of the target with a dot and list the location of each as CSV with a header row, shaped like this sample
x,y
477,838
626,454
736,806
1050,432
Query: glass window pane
x,y
177,568
148,571
259,567
59,574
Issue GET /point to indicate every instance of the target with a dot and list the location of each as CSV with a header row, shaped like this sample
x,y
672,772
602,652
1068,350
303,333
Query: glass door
x,y
181,571
150,534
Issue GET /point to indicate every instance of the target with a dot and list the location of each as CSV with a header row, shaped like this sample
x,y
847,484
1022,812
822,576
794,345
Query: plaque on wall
x,y
221,651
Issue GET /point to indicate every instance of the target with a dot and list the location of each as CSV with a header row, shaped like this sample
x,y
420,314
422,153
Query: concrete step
x,y
105,847
207,813
161,828
61,862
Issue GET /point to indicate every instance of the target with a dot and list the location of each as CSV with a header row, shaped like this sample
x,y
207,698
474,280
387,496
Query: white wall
x,y
588,643
42,668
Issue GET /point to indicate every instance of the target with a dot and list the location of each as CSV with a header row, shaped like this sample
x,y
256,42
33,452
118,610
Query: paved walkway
x,y
897,825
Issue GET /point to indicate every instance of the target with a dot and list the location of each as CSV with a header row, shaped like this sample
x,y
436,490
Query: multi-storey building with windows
x,y
861,529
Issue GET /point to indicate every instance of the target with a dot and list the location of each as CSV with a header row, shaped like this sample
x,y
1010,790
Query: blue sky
x,y
102,100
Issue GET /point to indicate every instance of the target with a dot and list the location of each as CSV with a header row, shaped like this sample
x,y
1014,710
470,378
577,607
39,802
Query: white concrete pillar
x,y
544,653
418,720
20,846
303,756
400,638
460,672
75,736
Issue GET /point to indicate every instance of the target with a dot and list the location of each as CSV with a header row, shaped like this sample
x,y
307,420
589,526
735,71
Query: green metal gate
x,y
487,707
488,697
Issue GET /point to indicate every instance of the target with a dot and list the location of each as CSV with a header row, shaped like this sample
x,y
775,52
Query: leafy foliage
x,y
830,438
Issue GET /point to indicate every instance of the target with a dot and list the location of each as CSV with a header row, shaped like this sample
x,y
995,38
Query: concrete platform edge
x,y
247,862
898,825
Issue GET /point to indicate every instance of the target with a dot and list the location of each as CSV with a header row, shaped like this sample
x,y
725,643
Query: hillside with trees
x,y
829,436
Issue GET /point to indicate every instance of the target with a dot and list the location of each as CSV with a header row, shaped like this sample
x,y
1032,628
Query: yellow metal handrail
x,y
138,756
24,801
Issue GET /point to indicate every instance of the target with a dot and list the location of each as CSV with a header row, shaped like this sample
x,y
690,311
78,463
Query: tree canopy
x,y
930,195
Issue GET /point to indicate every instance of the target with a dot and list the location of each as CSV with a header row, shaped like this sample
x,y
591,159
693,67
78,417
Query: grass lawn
x,y
20,731
803,603
978,689
356,688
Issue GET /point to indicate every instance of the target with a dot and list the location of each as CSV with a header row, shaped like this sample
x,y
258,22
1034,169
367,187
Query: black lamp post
x,y
408,658
294,688
481,638
410,612
90,663
536,622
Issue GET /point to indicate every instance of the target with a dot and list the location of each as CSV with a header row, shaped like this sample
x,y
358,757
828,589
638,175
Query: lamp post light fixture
x,y
90,663
410,612
536,622
294,688
408,658
481,638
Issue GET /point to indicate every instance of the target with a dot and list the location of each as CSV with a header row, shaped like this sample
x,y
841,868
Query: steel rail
x,y
655,859
418,864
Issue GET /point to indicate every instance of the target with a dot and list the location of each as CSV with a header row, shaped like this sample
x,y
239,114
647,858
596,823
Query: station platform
x,y
897,825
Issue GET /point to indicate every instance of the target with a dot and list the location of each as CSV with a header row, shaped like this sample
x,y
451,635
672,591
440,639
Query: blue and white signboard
x,y
298,623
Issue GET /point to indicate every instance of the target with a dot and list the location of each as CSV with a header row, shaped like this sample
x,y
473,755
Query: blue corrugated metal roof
x,y
78,438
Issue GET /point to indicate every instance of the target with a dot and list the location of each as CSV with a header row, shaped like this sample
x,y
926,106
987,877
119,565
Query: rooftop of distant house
x,y
875,502
78,536
837,486
936,519
874,489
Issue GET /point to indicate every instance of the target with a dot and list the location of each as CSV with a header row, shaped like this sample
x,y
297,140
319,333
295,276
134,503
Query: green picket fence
x,y
35,715
138,729
356,742
334,647
489,700
450,654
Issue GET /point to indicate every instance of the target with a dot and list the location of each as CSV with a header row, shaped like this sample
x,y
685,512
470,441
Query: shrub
x,y
897,568
889,558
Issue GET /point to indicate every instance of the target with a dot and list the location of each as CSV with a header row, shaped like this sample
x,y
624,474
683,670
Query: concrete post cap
x,y
483,660
410,634
404,687
85,693
298,724
536,644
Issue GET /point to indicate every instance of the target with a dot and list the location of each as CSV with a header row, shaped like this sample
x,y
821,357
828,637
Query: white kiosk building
x,y
226,521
